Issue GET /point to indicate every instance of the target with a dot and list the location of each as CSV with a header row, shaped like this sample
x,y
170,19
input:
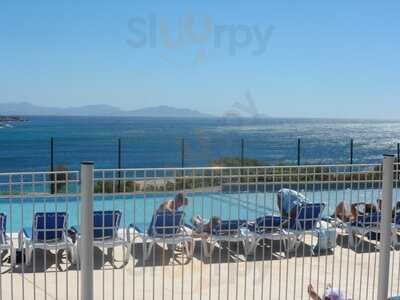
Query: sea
x,y
157,143
133,142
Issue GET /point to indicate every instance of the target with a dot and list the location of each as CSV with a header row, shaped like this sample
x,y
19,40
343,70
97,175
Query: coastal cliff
x,y
12,119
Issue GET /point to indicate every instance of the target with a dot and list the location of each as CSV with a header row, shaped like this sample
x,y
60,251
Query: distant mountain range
x,y
28,109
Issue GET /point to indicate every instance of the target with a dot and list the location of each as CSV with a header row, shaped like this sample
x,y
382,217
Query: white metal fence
x,y
99,234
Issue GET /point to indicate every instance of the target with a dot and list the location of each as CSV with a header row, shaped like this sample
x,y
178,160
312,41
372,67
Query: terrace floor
x,y
227,275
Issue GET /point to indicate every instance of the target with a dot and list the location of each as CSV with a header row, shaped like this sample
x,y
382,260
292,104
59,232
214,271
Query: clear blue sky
x,y
323,58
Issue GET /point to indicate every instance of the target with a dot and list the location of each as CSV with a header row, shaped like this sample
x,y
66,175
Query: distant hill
x,y
168,111
28,109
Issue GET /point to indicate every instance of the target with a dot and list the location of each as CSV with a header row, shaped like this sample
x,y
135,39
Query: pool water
x,y
139,208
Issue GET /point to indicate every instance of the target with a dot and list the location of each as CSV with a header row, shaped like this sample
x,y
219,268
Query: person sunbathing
x,y
172,205
202,226
358,209
346,214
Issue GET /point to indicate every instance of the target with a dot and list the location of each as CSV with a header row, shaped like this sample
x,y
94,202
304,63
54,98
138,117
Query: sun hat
x,y
333,294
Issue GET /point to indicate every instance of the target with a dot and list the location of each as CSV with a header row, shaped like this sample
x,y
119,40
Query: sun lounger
x,y
226,231
288,230
167,229
106,234
307,222
48,232
270,228
5,240
364,225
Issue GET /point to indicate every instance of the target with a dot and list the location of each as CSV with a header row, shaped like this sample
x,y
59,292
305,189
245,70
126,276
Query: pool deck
x,y
227,275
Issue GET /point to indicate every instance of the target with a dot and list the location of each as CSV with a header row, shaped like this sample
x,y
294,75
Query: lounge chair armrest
x,y
246,232
23,235
73,233
26,232
128,232
131,229
328,219
75,229
67,236
188,228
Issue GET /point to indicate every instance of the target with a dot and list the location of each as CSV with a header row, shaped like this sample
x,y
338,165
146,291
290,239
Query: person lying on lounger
x,y
202,226
172,205
329,294
345,214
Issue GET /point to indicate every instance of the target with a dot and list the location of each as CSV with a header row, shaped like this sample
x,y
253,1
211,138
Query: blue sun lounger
x,y
5,240
226,231
288,230
167,229
270,228
106,233
48,232
364,225
309,221
369,225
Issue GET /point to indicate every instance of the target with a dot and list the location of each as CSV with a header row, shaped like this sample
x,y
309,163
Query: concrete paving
x,y
227,275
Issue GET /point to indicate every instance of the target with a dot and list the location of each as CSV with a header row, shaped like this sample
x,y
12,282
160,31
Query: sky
x,y
293,58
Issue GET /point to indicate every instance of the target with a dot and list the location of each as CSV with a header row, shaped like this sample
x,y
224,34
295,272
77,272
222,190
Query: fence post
x,y
386,227
52,177
242,153
298,151
51,154
398,161
351,151
119,154
183,153
119,164
86,247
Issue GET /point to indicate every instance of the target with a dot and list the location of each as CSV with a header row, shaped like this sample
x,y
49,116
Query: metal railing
x,y
59,154
109,239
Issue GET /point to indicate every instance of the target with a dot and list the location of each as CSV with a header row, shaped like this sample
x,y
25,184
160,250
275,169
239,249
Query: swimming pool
x,y
139,208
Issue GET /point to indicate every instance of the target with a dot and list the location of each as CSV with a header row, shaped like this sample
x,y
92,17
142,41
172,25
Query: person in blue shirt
x,y
289,202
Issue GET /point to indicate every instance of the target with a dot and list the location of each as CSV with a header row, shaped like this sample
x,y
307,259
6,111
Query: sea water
x,y
157,142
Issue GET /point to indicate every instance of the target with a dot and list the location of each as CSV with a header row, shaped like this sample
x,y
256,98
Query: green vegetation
x,y
58,180
228,161
224,174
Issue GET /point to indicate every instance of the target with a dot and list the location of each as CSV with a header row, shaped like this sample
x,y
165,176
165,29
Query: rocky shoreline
x,y
12,119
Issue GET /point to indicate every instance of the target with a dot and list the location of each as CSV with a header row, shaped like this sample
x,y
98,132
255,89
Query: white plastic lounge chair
x,y
307,221
225,231
167,229
364,225
368,225
270,228
48,232
106,234
5,240
288,230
